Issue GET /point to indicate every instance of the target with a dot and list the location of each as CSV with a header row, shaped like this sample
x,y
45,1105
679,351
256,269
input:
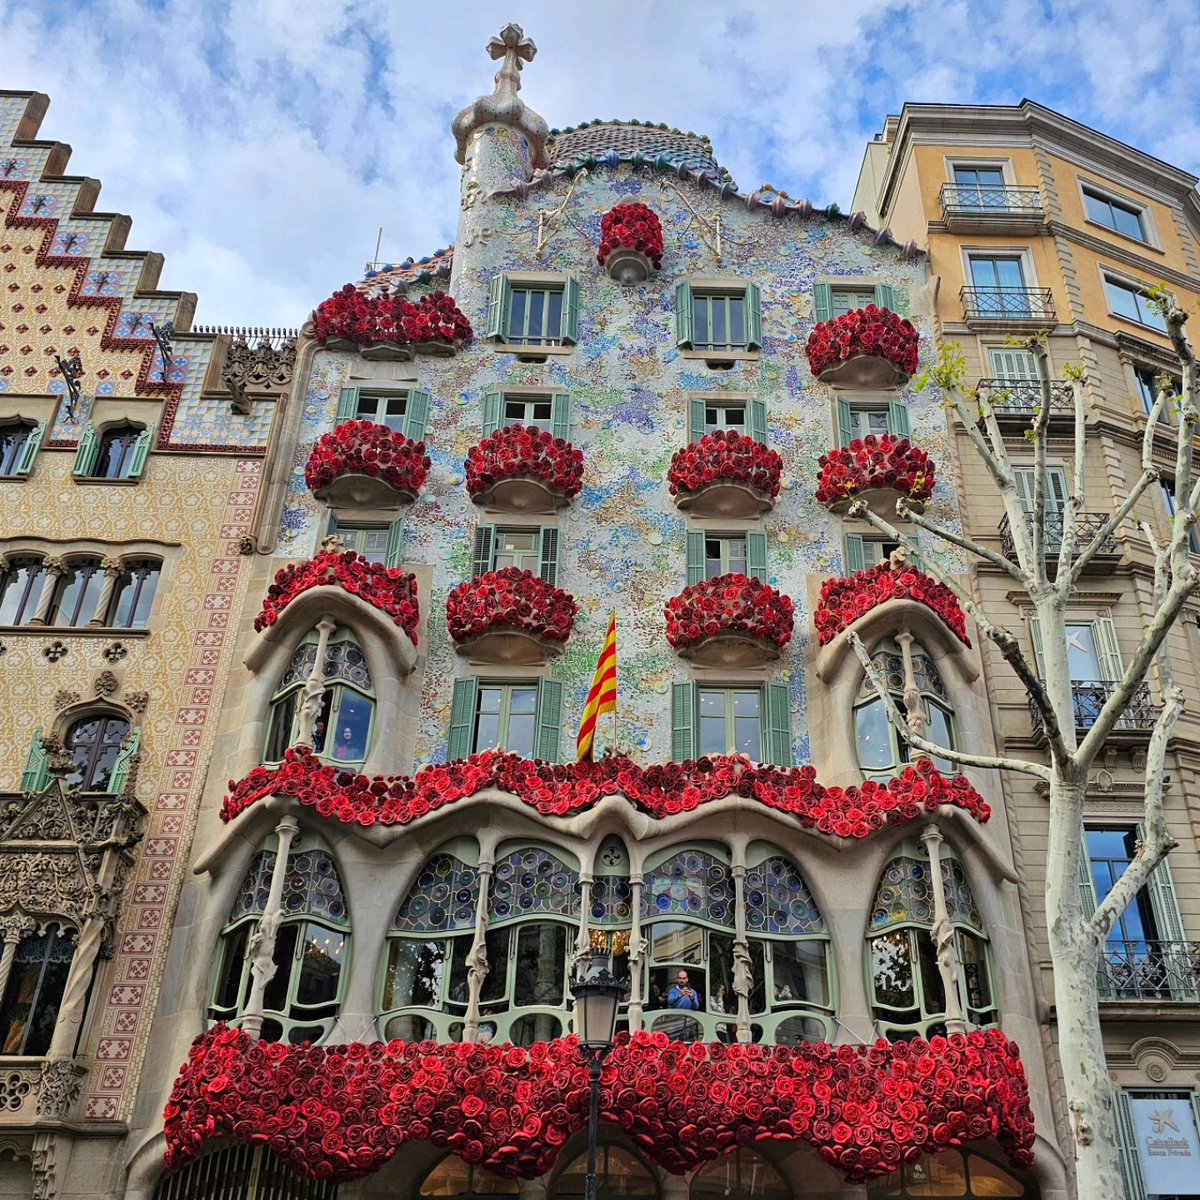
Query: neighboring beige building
x,y
1032,221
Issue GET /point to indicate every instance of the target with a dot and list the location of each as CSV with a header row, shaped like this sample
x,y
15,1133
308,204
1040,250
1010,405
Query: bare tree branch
x,y
1111,522
960,540
1041,419
1075,501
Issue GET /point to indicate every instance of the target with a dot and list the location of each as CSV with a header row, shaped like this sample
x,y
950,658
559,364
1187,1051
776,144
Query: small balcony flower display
x,y
510,616
524,469
731,621
869,348
843,601
363,463
725,475
882,464
390,327
631,243
392,591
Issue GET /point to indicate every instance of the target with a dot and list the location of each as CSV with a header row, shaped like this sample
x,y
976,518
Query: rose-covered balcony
x,y
725,475
631,243
523,469
731,621
879,469
362,463
868,348
510,616
845,601
390,327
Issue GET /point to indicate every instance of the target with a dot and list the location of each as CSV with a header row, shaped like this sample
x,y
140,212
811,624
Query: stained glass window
x,y
531,881
311,887
905,895
612,901
778,900
442,899
693,884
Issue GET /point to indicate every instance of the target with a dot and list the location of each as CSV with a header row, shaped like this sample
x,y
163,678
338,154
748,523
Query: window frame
x,y
754,410
27,606
686,294
1147,391
774,715
393,553
483,549
1114,280
500,303
495,400
1167,493
894,410
463,740
25,448
65,932
148,572
883,295
88,572
125,750
134,456
417,405
1091,191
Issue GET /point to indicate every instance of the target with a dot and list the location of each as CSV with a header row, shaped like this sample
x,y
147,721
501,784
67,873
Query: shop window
x,y
951,1173
453,1179
743,1175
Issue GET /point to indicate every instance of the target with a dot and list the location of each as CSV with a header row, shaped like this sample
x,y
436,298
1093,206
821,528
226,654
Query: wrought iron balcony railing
x,y
1150,971
1088,697
1087,525
1007,304
959,199
1021,398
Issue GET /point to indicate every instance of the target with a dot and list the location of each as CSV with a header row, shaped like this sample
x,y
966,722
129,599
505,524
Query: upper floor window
x,y
530,548
100,750
533,312
1149,381
1118,215
77,593
34,991
521,718
718,319
403,411
979,187
133,594
744,415
754,721
1054,492
863,552
710,555
836,299
19,443
21,589
118,452
1130,300
1172,506
860,418
548,411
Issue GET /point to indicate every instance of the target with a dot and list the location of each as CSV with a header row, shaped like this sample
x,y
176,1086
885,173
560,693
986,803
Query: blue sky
x,y
260,145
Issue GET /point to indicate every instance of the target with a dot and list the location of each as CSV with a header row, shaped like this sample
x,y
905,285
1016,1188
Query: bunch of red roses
x,y
520,450
631,227
392,591
843,601
872,331
340,1112
877,461
729,604
562,789
369,320
510,599
365,448
725,454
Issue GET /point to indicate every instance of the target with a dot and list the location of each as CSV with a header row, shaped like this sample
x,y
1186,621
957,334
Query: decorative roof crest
x,y
504,106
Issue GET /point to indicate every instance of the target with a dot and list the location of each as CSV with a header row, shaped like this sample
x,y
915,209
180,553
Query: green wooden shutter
x,y
696,409
120,775
482,554
141,451
548,554
683,722
347,406
547,735
560,415
493,410
885,296
463,708
497,306
753,317
756,556
1135,1188
756,420
856,553
570,317
845,420
823,301
684,316
87,453
898,421
36,776
1035,638
395,543
416,415
776,725
29,451
695,557
1108,653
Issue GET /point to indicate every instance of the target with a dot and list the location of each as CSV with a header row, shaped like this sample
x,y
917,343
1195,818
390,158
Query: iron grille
x,y
1088,697
978,199
1023,397
1007,304
1087,525
1150,971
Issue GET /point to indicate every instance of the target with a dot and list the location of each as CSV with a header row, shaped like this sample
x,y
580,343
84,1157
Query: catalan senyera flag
x,y
603,695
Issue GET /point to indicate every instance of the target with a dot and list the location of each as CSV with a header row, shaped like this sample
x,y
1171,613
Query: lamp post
x,y
597,997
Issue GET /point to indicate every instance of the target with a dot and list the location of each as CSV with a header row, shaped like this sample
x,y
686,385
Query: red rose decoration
x,y
843,601
729,604
725,454
877,461
365,448
870,331
514,599
631,227
518,450
354,316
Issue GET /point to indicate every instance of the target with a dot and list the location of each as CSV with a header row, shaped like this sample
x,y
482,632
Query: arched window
x,y
77,593
453,1179
34,991
19,441
99,750
342,733
21,588
951,1173
881,750
117,452
241,1173
743,1174
301,1000
620,1173
133,595
906,986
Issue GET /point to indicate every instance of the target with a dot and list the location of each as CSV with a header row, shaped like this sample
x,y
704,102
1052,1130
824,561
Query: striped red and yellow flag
x,y
603,696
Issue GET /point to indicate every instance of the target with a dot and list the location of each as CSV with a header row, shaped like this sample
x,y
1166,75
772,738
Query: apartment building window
x,y
77,593
1147,380
1012,365
863,552
529,548
19,444
1131,301
860,418
754,721
1054,492
100,753
707,414
718,319
119,452
133,594
21,589
836,299
521,718
548,411
1120,216
405,412
1172,506
710,555
534,313
979,187
377,542
1000,286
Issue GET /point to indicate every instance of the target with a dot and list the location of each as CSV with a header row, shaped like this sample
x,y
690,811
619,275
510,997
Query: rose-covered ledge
x,y
844,601
731,621
510,616
868,348
558,790
631,243
725,474
362,463
340,1112
524,469
390,327
880,469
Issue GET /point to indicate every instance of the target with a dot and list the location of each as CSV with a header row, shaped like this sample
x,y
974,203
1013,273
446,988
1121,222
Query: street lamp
x,y
597,997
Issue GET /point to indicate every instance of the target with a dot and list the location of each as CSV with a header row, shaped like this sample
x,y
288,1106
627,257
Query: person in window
x,y
346,747
683,996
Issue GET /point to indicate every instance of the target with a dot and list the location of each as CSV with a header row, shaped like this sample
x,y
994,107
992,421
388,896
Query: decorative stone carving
x,y
63,698
55,651
263,367
137,701
59,759
59,1086
15,1087
45,1166
47,881
114,652
106,684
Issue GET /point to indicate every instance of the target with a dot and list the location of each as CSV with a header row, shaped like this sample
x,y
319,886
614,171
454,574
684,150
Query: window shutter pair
x,y
775,730
685,316
756,556
547,721
560,412
395,540
483,553
1108,652
756,417
1055,489
500,304
885,297
416,414
33,443
121,768
36,776
1012,364
897,420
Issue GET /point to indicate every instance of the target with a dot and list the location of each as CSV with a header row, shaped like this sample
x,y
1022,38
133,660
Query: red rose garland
x,y
525,450
340,1112
560,790
729,604
877,461
725,454
513,599
631,227
872,331
843,601
390,590
365,448
368,320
